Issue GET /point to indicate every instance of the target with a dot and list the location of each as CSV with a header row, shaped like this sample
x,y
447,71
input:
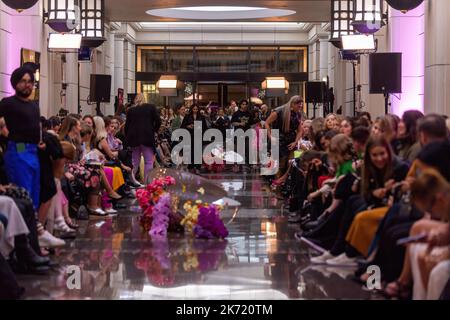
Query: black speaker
x,y
315,91
100,90
385,73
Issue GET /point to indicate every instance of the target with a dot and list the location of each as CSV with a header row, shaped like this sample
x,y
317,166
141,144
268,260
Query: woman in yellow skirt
x,y
364,228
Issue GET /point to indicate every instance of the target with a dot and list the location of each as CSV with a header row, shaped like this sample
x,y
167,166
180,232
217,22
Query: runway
x,y
261,259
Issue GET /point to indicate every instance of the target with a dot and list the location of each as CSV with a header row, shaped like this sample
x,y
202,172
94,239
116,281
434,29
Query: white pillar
x,y
408,37
71,80
331,64
118,63
437,57
323,58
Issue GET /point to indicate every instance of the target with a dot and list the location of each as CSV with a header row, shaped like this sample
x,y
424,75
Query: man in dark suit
x,y
143,122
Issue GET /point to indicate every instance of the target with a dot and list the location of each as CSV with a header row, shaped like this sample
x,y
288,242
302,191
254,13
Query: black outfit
x,y
399,172
22,120
286,138
222,124
246,118
53,151
9,287
188,121
142,123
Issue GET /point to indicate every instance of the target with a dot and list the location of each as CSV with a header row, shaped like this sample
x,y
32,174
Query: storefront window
x,y
216,59
180,59
263,60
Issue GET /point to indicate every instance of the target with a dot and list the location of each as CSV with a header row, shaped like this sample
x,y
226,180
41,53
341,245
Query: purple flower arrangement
x,y
209,224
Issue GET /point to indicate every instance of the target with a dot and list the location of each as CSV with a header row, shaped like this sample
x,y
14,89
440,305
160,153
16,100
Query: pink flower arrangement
x,y
158,217
149,197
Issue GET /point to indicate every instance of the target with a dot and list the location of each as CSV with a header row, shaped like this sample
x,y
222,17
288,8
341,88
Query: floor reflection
x,y
260,260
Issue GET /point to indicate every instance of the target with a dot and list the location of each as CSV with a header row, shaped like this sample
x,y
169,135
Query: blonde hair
x,y
386,127
139,99
100,130
287,112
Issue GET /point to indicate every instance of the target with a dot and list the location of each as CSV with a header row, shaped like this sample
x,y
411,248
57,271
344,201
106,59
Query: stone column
x,y
118,63
323,58
437,57
406,34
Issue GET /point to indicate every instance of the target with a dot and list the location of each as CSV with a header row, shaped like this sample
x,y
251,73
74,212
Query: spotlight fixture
x,y
368,15
62,15
20,5
64,42
341,20
359,43
404,5
275,86
168,86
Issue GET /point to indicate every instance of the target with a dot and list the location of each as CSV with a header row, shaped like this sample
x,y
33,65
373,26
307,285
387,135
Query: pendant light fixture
x,y
62,15
20,5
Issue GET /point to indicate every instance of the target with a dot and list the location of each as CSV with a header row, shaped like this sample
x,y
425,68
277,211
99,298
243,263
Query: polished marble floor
x,y
260,259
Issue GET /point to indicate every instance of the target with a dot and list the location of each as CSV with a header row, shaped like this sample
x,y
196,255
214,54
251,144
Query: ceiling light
x,y
219,8
219,12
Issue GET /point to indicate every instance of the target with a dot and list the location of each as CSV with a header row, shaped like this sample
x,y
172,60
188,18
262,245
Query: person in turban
x,y
22,118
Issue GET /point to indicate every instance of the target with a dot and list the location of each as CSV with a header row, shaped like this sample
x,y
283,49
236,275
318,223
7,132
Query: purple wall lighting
x,y
408,37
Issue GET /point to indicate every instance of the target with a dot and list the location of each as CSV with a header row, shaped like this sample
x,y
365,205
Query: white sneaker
x,y
97,212
47,240
322,259
111,211
342,261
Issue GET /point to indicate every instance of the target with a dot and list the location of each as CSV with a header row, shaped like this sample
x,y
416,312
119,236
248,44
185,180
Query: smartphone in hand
x,y
413,239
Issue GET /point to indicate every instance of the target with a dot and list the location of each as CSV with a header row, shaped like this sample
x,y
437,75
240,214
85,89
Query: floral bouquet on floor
x,y
203,220
159,213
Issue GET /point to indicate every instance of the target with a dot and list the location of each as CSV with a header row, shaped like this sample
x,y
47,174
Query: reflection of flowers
x,y
180,262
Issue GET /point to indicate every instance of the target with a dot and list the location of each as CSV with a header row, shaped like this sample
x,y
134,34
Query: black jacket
x,y
189,120
142,123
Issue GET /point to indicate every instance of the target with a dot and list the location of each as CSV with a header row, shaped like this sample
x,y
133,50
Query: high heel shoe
x,y
65,232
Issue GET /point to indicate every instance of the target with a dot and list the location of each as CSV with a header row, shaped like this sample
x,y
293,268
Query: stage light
x,y
358,42
64,41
